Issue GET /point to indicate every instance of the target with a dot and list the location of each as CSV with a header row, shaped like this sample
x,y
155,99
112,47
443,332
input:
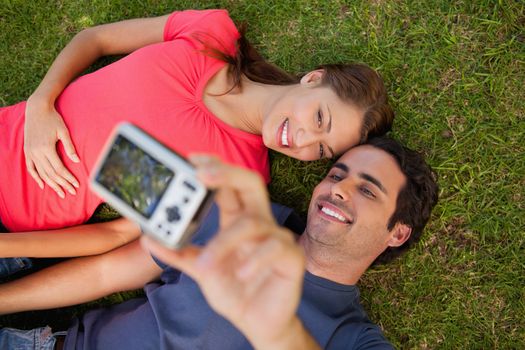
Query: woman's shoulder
x,y
191,23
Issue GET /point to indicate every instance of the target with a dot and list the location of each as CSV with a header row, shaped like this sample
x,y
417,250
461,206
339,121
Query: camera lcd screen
x,y
134,176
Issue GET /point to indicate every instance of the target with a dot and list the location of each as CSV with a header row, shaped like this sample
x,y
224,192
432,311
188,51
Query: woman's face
x,y
311,122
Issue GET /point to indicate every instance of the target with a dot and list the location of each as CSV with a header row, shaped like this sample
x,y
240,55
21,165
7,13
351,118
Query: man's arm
x,y
80,280
252,271
72,241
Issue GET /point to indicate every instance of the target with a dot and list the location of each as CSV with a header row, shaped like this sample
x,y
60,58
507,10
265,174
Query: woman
x,y
192,81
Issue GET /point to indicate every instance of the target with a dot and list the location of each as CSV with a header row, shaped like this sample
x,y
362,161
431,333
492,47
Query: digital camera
x,y
151,185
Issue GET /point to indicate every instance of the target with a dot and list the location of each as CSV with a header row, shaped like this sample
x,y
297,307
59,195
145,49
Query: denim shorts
x,y
10,266
34,339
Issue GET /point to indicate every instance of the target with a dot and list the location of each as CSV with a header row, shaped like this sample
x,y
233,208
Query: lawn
x,y
455,72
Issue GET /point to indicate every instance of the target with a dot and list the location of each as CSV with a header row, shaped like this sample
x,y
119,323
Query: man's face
x,y
351,206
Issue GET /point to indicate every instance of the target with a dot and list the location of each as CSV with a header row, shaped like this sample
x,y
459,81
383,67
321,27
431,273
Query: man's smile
x,y
331,212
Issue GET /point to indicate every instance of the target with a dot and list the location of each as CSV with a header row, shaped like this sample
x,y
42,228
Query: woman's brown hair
x,y
354,83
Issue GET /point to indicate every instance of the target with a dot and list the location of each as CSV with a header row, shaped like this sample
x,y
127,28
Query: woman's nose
x,y
307,138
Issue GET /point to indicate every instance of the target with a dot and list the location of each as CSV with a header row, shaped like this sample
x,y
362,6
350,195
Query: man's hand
x,y
252,271
43,128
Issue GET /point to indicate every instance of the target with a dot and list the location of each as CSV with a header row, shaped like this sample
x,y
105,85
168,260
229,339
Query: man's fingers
x,y
230,205
274,249
244,229
183,259
262,257
252,195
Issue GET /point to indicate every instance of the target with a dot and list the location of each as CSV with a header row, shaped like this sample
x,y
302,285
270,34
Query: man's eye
x,y
319,119
367,192
335,177
321,151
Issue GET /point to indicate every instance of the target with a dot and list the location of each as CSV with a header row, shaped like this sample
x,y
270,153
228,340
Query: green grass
x,y
455,71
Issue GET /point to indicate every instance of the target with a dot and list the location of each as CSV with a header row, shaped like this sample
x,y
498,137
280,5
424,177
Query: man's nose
x,y
342,190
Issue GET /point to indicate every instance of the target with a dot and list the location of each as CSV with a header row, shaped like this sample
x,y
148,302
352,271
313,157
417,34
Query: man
x,y
375,200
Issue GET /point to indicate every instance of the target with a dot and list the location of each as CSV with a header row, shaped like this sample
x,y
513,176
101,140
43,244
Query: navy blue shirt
x,y
175,315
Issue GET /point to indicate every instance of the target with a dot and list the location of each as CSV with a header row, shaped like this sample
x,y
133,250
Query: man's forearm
x,y
80,280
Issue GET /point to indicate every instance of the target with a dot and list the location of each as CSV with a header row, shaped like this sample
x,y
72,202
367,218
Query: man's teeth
x,y
284,135
333,214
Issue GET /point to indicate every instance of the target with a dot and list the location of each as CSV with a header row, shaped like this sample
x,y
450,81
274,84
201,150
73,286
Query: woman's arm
x,y
95,42
80,280
44,127
69,242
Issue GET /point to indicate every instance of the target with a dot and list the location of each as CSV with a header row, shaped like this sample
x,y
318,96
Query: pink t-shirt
x,y
158,88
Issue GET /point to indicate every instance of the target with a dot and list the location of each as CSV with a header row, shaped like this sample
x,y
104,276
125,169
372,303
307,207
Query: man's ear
x,y
399,235
313,77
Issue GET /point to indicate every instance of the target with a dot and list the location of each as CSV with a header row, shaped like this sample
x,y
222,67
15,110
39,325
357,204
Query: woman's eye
x,y
319,119
321,151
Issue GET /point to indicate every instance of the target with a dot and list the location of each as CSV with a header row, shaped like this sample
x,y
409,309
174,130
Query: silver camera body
x,y
151,185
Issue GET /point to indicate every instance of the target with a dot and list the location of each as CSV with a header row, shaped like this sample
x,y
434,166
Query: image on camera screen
x,y
134,176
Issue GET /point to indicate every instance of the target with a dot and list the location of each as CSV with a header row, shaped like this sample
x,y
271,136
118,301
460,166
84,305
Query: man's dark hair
x,y
416,199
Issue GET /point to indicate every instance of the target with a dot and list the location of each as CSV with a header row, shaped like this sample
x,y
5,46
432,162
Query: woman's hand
x,y
43,128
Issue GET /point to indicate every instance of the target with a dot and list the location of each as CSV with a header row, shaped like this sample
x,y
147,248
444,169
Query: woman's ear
x,y
313,77
399,235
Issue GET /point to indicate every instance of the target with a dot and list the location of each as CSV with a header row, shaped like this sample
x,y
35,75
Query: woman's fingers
x,y
42,172
34,173
60,173
65,138
60,181
43,128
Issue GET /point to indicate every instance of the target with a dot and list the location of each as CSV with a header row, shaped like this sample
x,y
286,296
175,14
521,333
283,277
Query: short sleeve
x,y
185,24
372,338
357,336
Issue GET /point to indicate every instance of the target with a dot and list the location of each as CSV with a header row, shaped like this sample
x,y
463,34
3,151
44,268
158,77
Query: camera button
x,y
190,185
173,213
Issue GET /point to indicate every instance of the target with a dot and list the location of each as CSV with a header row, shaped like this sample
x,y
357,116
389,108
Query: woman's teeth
x,y
333,214
284,135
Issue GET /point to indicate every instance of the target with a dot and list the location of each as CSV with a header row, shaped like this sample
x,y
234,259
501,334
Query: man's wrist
x,y
295,336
